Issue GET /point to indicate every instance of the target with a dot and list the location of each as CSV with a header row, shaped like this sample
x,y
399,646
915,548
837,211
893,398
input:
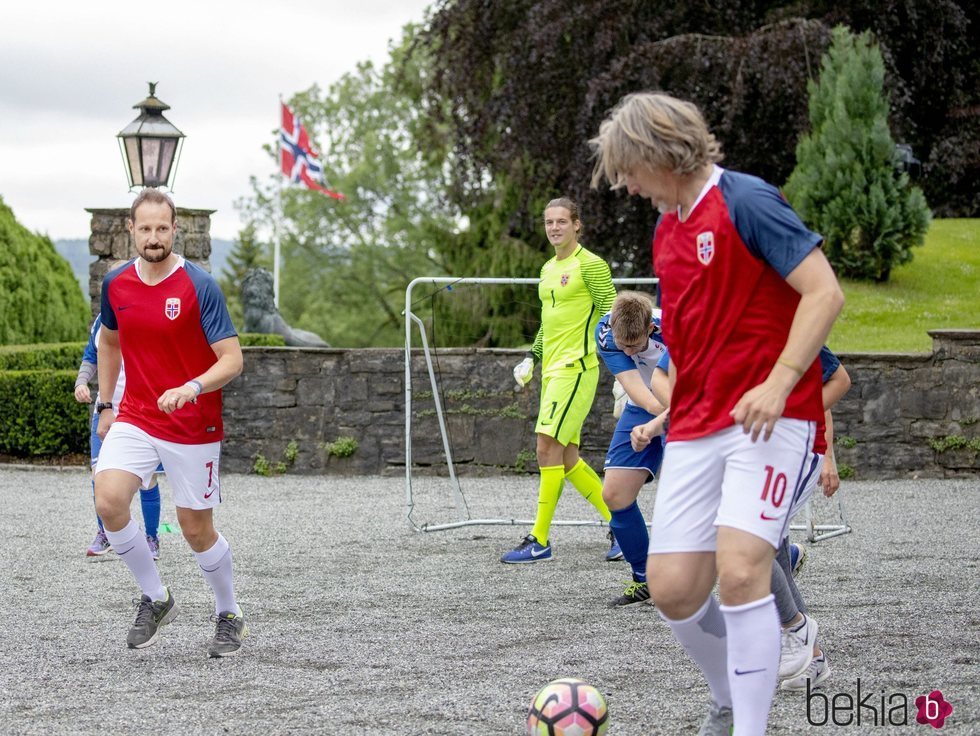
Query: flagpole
x,y
276,247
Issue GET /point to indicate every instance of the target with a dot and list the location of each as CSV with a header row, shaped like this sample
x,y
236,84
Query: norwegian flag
x,y
297,159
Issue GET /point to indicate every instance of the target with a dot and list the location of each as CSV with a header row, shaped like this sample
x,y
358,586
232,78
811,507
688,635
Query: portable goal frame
x,y
458,498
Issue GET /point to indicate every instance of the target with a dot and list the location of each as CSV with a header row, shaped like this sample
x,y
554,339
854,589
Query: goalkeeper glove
x,y
523,372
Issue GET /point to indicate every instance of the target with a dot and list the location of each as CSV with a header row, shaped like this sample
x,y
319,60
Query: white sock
x,y
215,563
130,544
703,638
753,662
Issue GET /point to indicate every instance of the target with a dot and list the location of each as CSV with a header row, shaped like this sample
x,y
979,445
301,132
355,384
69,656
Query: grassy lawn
x,y
939,289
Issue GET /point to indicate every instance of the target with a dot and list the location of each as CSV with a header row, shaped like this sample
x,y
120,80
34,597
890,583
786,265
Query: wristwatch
x,y
100,407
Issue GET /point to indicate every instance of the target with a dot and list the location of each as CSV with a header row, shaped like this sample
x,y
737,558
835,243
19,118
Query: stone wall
x,y
111,242
897,405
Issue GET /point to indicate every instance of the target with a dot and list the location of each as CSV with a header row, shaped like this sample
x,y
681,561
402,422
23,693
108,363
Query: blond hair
x,y
630,317
652,130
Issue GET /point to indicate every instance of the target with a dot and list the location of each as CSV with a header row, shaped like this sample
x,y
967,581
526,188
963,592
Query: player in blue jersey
x,y
630,344
149,496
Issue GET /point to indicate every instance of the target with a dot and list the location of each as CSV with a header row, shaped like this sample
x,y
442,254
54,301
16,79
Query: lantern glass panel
x,y
168,146
133,156
151,162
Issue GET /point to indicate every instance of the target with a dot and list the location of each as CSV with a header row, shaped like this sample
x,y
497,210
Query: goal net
x,y
445,400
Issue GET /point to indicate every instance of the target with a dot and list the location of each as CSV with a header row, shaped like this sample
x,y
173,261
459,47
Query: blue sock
x,y
630,529
150,503
97,517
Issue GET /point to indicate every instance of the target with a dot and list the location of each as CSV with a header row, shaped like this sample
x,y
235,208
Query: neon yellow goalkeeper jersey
x,y
575,292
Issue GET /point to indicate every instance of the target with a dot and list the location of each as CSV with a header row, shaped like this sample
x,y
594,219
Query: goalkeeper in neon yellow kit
x,y
576,289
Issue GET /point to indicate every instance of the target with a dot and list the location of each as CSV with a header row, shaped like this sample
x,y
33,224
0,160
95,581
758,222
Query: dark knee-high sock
x,y
785,604
630,529
150,503
782,557
97,517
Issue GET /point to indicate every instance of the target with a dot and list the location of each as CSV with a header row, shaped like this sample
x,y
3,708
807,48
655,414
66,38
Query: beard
x,y
155,254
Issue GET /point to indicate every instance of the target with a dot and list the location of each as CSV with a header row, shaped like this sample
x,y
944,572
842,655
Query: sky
x,y
71,72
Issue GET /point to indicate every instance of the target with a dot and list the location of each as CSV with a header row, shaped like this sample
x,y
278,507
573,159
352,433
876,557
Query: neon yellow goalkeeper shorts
x,y
566,401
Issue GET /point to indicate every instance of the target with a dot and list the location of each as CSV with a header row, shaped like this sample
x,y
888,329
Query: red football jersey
x,y
165,334
727,308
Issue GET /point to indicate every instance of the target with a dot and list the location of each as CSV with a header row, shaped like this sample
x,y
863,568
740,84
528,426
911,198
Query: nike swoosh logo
x,y
748,672
126,307
768,518
533,553
208,495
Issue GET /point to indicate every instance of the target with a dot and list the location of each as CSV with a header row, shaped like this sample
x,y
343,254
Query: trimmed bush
x,y
39,297
39,414
62,356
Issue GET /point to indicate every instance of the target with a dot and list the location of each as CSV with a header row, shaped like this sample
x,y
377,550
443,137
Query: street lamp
x,y
150,145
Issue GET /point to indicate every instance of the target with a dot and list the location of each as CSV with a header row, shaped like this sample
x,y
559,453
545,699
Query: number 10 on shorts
x,y
776,486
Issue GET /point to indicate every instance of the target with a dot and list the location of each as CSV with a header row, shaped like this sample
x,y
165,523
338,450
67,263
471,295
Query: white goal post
x,y
460,501
818,532
815,532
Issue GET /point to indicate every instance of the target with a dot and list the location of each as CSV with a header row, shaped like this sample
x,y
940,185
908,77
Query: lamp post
x,y
150,145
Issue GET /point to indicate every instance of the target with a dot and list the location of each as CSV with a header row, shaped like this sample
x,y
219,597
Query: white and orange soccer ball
x,y
568,707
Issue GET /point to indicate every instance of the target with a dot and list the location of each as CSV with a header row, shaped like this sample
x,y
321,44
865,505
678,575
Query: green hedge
x,y
64,356
38,411
61,356
39,414
261,340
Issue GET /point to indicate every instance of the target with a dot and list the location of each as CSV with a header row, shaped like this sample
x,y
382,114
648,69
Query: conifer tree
x,y
246,254
39,297
846,184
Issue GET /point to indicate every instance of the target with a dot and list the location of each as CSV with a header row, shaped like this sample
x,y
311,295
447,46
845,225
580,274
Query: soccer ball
x,y
568,707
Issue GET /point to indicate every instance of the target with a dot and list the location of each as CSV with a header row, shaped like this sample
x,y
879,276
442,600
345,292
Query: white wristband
x,y
196,385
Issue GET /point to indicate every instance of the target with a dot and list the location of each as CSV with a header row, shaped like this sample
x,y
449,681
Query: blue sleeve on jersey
x,y
769,227
106,313
615,359
829,363
91,352
215,320
664,362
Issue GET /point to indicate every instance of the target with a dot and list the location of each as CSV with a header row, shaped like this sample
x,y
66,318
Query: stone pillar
x,y
111,242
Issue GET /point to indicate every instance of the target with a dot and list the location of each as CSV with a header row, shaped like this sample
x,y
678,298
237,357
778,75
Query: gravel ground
x,y
361,626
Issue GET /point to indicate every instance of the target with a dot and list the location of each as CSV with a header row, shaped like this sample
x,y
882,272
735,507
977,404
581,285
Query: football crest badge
x,y
564,279
172,308
706,247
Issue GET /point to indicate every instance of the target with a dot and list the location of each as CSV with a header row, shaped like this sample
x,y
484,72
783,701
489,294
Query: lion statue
x,y
262,316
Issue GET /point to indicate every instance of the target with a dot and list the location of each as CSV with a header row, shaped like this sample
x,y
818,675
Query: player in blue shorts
x,y
149,497
631,346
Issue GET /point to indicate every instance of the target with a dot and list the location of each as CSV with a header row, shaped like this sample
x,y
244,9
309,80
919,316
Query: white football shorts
x,y
811,477
726,479
191,469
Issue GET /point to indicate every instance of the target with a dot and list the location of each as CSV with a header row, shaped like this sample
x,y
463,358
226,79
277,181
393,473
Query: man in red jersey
x,y
168,320
748,299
